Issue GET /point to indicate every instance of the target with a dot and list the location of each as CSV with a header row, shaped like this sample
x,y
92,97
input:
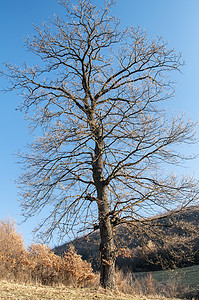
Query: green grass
x,y
186,276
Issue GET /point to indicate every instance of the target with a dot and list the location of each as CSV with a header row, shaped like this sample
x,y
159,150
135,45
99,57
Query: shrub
x,y
44,264
76,268
11,249
39,263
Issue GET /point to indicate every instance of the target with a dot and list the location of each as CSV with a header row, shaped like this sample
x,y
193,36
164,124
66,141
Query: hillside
x,y
137,260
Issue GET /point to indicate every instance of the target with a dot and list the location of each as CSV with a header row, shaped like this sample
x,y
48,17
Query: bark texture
x,y
107,250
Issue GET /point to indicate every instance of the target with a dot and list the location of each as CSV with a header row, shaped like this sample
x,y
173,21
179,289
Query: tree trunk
x,y
107,248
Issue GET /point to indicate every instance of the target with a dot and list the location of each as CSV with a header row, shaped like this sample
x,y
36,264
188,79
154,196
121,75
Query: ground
x,y
11,290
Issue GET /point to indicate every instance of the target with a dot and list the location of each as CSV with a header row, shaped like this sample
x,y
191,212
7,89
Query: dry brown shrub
x,y
11,241
44,264
39,263
78,270
11,249
49,268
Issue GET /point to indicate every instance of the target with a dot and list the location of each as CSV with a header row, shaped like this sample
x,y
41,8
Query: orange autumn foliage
x,y
38,263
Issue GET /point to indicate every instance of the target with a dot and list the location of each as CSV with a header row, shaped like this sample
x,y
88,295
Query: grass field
x,y
186,276
11,290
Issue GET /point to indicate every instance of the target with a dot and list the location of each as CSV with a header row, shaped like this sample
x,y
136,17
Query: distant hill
x,y
184,251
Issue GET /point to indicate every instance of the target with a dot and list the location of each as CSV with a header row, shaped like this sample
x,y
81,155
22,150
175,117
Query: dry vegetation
x,y
16,290
26,291
38,273
38,264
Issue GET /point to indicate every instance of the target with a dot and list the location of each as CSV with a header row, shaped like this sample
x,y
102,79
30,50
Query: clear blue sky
x,y
176,21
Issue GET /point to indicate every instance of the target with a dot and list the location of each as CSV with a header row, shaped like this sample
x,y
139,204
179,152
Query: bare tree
x,y
98,98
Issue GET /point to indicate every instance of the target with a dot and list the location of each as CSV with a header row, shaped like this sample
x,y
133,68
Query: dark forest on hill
x,y
139,255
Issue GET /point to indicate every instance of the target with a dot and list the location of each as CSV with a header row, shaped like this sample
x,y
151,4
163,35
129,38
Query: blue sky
x,y
175,20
